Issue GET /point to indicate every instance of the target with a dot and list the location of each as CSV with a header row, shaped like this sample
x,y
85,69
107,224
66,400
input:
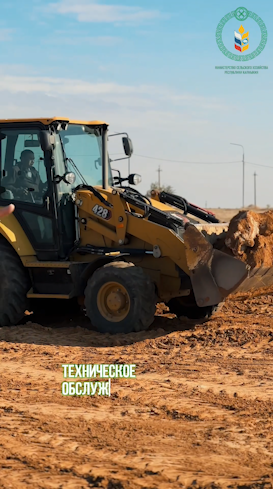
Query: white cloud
x,y
137,97
76,39
59,86
162,122
93,11
6,34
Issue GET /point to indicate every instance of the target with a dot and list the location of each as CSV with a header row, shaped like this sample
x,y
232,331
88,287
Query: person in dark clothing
x,y
26,186
25,179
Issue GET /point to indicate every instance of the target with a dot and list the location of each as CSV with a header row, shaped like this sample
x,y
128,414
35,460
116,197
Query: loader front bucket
x,y
214,274
258,277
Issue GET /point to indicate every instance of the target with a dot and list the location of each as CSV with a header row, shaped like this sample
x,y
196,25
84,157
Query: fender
x,y
12,231
81,272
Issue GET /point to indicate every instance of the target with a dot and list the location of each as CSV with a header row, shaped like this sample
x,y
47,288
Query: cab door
x,y
35,211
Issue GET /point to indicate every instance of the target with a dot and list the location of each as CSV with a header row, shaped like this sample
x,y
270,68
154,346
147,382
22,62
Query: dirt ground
x,y
198,415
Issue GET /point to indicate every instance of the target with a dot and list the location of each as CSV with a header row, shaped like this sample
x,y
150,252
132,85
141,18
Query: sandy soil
x,y
199,413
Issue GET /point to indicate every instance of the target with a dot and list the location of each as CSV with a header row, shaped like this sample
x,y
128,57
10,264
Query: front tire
x,y
120,298
14,286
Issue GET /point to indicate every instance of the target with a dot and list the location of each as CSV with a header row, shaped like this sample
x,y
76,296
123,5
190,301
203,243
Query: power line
x,y
200,162
259,164
189,162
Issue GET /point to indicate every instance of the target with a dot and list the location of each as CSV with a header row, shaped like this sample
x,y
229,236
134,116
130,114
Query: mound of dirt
x,y
250,238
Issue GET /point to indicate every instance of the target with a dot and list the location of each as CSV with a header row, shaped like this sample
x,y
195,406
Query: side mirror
x,y
127,146
47,141
134,179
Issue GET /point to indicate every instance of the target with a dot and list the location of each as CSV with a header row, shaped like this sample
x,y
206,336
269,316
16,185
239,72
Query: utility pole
x,y
159,171
255,175
243,161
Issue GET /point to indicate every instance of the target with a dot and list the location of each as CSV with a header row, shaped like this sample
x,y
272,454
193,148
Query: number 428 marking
x,y
101,212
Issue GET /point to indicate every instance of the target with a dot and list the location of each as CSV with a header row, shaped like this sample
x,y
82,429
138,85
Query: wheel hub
x,y
113,301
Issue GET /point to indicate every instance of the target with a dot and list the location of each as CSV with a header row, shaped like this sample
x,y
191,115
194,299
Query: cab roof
x,y
49,120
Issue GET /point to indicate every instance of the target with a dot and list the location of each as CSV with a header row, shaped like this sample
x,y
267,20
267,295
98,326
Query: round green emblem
x,y
241,14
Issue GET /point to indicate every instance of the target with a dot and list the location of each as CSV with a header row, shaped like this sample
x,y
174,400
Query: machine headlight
x,y
134,179
69,178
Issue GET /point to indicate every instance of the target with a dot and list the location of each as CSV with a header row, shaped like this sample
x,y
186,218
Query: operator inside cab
x,y
25,179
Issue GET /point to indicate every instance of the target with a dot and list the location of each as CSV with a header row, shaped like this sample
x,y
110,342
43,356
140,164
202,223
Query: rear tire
x,y
120,298
14,286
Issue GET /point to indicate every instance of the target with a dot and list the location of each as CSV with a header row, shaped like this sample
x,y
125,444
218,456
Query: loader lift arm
x,y
184,205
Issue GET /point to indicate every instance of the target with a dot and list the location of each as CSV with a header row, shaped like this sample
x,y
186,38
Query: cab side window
x,y
23,170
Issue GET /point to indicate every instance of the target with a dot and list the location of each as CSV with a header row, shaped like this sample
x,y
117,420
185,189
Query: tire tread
x,y
141,286
14,286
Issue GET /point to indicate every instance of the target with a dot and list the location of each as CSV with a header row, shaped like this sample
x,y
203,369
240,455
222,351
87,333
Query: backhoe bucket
x,y
214,275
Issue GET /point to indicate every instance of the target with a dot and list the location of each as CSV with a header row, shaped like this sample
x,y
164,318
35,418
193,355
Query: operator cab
x,y
62,155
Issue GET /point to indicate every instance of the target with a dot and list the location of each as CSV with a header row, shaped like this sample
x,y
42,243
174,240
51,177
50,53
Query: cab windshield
x,y
83,144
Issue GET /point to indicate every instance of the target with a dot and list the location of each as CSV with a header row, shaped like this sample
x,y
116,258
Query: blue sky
x,y
148,68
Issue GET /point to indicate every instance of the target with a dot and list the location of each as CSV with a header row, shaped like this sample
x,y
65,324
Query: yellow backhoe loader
x,y
78,231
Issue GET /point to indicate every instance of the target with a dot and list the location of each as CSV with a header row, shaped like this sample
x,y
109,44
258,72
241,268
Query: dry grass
x,y
225,215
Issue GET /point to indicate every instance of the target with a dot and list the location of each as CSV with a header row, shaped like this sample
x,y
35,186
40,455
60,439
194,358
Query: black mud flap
x,y
214,275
